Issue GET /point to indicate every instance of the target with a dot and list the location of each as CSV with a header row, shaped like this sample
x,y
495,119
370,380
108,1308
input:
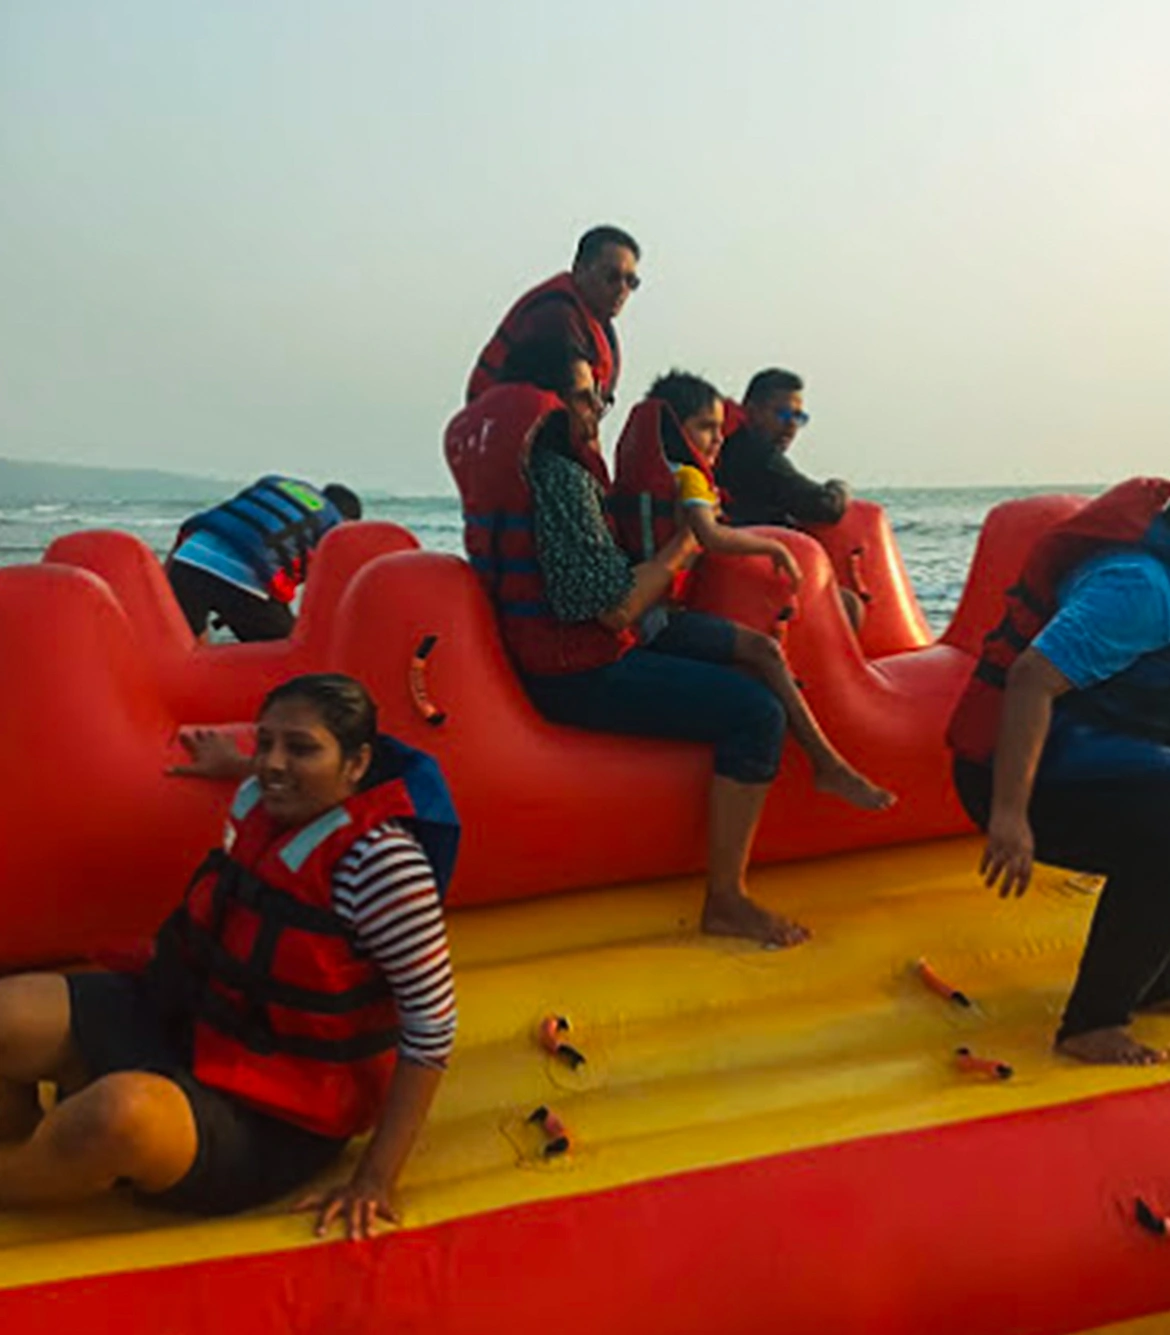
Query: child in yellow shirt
x,y
698,408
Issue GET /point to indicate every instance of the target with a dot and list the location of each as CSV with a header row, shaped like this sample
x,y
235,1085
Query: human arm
x,y
713,536
800,498
587,576
652,580
1114,610
214,754
366,1199
1033,684
384,890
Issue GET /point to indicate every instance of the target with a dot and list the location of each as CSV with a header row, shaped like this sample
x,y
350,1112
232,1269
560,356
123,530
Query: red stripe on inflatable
x,y
1020,1225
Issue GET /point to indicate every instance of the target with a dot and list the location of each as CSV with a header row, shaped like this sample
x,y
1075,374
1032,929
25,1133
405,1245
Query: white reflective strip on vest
x,y
296,852
247,795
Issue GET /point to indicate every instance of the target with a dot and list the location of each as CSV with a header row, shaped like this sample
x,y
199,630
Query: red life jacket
x,y
288,1017
733,417
487,447
1125,516
600,348
644,502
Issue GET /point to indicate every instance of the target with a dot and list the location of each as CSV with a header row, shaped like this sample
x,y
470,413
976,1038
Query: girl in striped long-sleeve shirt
x,y
262,1035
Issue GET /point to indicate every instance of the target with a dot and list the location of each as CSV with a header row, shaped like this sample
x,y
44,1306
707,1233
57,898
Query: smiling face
x,y
300,765
606,282
705,430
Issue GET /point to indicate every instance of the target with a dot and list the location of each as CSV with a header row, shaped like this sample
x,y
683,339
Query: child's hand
x,y
214,755
784,561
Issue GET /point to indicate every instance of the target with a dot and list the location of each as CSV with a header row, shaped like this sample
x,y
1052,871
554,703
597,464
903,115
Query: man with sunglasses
x,y
764,485
576,309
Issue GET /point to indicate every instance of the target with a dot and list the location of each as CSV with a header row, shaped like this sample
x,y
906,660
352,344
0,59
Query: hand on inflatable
x,y
361,1207
784,561
214,755
1007,858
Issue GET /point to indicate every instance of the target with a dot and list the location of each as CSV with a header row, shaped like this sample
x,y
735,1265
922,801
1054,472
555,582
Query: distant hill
x,y
28,483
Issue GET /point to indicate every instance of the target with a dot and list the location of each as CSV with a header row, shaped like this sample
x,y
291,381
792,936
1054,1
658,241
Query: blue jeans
x,y
651,694
695,635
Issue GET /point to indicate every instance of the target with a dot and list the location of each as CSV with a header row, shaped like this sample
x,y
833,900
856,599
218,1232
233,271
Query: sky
x,y
243,235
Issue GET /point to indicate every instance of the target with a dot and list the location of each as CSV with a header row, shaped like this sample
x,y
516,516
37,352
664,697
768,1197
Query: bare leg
x,y
35,1045
832,773
727,910
131,1125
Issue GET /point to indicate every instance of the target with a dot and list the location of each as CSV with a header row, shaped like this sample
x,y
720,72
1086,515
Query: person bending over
x,y
217,1080
1062,751
244,560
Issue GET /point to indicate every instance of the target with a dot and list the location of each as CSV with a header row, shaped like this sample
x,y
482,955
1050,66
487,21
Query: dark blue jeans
x,y
652,694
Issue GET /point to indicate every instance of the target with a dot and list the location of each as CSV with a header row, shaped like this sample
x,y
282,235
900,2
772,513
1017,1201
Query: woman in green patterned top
x,y
644,693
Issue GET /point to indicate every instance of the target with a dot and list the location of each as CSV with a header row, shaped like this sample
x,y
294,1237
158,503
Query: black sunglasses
x,y
619,278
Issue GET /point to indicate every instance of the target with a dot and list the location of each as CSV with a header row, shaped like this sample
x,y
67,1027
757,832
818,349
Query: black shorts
x,y
243,1157
248,616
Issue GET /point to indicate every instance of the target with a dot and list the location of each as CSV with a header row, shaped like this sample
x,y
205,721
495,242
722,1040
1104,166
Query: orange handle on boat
x,y
418,683
556,1137
940,985
966,1060
857,575
551,1029
1149,1219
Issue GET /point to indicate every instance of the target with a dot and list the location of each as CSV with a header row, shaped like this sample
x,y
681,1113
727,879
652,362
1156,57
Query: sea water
x,y
936,529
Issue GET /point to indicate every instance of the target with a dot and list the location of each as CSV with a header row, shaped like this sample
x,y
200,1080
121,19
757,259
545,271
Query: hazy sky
x,y
249,234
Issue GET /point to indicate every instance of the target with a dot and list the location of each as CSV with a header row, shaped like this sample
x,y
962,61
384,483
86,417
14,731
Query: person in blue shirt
x,y
244,560
1081,778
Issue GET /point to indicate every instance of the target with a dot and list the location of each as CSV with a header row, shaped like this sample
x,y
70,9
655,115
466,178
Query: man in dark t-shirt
x,y
763,484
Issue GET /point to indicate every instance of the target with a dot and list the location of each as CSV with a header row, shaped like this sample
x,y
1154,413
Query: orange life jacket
x,y
487,447
598,342
1128,515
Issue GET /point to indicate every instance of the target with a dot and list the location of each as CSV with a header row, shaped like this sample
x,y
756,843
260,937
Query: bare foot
x,y
736,915
1110,1047
839,778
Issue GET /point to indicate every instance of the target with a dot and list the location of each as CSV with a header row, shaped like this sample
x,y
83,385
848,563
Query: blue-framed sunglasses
x,y
794,415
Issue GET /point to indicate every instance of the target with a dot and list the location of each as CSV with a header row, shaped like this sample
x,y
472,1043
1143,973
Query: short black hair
x,y
772,381
595,241
546,363
348,502
344,705
687,394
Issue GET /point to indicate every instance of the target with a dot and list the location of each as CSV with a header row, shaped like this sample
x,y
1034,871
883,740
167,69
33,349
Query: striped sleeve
x,y
385,890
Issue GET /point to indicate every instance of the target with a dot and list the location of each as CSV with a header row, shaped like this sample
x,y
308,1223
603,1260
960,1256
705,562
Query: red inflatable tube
x,y
107,674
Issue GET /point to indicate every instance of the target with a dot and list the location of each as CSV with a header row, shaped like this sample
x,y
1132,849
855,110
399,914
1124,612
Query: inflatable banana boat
x,y
643,1129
